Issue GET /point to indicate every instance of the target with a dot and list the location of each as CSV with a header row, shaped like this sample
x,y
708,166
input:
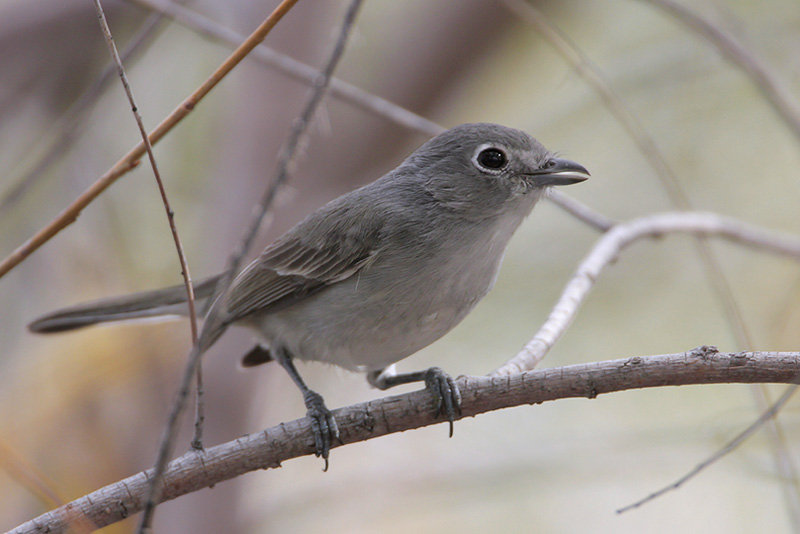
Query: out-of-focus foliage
x,y
82,410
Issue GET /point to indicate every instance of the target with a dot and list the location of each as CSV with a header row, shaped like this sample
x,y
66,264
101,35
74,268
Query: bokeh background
x,y
82,410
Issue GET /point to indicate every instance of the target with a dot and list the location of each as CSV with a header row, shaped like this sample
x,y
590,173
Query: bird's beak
x,y
557,171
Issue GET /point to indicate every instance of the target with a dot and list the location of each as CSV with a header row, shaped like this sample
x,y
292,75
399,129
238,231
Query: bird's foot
x,y
323,425
445,391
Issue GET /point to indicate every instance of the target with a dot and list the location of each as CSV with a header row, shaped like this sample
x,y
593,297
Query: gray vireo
x,y
378,273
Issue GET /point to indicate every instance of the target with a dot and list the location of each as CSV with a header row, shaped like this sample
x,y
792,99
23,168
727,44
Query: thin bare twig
x,y
295,69
730,446
289,152
267,449
168,437
782,455
68,127
786,105
777,93
613,243
187,277
344,91
131,159
587,70
767,80
17,467
581,211
212,327
647,145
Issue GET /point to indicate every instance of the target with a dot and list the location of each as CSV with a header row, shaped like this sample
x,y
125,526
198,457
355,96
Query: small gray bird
x,y
377,274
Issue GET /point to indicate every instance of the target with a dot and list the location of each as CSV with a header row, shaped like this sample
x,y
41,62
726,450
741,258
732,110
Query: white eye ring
x,y
490,158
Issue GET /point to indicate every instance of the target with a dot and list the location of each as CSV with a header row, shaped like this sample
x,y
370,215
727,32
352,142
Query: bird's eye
x,y
492,158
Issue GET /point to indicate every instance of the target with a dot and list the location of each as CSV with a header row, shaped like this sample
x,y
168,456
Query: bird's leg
x,y
323,425
440,384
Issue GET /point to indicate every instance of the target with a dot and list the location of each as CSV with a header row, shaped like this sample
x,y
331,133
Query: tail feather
x,y
160,302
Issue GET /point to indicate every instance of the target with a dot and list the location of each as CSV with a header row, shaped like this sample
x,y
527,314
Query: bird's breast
x,y
400,303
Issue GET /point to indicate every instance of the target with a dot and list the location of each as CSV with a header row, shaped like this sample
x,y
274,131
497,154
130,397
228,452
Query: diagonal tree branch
x,y
131,159
269,448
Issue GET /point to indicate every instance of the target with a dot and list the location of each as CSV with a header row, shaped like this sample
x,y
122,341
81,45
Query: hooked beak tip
x,y
558,171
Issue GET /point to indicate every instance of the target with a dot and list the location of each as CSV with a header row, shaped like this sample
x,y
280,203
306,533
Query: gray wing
x,y
330,245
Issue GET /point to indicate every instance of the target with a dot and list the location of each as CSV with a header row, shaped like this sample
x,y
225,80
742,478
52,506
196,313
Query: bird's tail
x,y
160,302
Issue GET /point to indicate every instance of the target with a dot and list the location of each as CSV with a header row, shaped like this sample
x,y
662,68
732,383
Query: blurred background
x,y
82,410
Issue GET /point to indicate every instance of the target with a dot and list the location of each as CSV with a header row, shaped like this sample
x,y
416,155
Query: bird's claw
x,y
446,393
323,425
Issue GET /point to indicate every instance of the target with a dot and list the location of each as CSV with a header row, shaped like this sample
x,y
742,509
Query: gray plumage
x,y
380,272
385,270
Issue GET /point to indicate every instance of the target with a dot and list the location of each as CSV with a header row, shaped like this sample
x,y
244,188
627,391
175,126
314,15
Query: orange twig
x,y
131,159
